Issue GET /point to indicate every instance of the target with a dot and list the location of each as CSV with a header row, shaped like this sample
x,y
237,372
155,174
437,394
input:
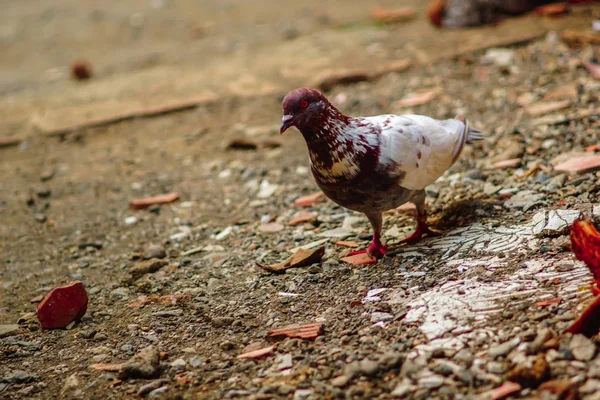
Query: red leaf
x,y
63,305
588,323
585,241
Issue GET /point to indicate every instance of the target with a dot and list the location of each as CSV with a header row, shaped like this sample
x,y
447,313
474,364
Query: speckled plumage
x,y
373,164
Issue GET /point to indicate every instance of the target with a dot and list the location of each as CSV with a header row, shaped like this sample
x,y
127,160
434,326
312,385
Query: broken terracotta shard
x,y
310,200
140,204
308,331
258,353
300,258
62,306
360,259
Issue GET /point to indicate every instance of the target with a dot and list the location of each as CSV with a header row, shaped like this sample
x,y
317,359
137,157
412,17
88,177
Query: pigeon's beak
x,y
286,122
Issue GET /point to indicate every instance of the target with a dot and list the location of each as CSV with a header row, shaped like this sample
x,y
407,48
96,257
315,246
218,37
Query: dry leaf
x,y
360,259
300,258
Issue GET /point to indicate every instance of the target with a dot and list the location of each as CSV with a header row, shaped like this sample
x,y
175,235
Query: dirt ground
x,y
455,315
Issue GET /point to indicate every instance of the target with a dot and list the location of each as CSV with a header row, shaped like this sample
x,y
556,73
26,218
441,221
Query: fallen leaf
x,y
308,331
360,259
241,144
182,379
140,204
301,258
346,244
417,99
167,300
303,216
63,305
310,200
386,16
105,367
504,390
258,353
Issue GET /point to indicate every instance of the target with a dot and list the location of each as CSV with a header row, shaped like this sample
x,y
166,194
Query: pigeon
x,y
374,164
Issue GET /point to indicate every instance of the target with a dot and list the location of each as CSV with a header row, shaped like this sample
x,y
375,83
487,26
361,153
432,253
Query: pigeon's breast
x,y
378,191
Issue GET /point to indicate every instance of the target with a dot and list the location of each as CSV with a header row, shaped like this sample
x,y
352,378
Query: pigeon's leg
x,y
376,249
422,228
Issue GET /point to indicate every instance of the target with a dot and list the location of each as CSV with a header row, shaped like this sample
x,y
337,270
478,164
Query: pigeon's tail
x,y
467,134
472,133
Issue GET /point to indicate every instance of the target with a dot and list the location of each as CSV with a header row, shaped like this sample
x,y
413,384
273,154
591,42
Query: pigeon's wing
x,y
421,148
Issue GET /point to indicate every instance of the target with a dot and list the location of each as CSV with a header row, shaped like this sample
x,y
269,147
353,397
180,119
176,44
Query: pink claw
x,y
422,229
376,249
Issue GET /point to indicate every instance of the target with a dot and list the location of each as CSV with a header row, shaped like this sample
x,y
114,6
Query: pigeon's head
x,y
303,107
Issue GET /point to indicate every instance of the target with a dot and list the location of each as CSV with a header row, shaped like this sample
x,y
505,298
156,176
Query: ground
x,y
448,317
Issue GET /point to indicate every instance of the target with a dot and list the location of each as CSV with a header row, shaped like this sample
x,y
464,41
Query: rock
x,y
337,233
62,306
226,345
499,57
266,189
72,387
445,367
583,349
43,192
431,382
196,361
525,199
403,388
149,387
178,365
591,386
368,367
158,393
154,251
284,361
503,349
221,322
18,376
9,330
302,394
340,381
146,267
530,376
559,221
144,365
496,367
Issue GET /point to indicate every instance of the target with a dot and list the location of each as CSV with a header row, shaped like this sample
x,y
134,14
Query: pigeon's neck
x,y
341,147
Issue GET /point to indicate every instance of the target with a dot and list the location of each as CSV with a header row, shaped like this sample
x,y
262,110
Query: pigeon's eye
x,y
304,103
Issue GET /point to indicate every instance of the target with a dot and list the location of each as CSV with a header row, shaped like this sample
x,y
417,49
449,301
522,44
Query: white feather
x,y
422,147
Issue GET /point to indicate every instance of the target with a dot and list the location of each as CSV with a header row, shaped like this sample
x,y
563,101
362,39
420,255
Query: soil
x,y
448,300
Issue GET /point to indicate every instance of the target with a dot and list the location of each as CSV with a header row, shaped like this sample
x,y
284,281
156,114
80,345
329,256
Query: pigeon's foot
x,y
422,230
376,249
